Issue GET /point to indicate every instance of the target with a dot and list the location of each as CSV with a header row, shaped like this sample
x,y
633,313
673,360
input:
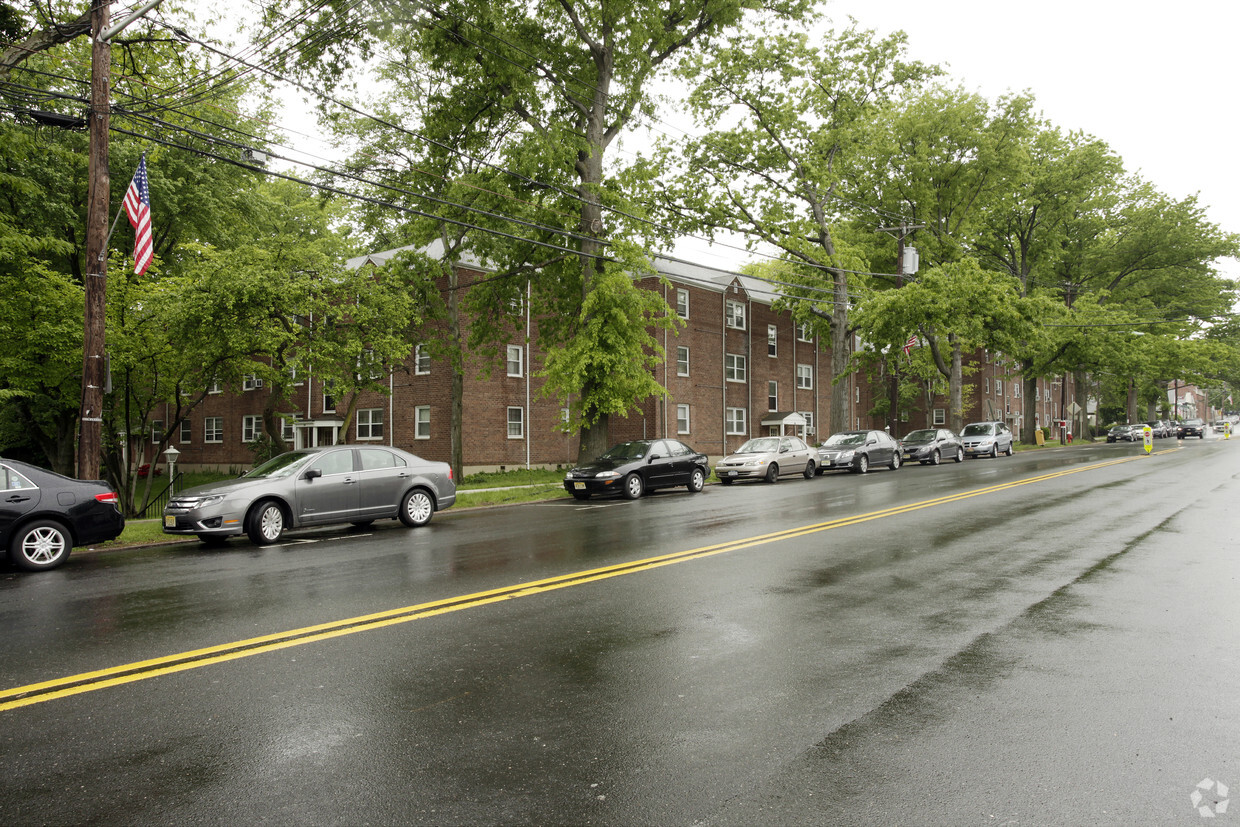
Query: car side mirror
x,y
653,457
312,473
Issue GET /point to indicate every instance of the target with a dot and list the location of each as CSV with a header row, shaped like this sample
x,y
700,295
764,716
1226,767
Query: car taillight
x,y
449,473
110,498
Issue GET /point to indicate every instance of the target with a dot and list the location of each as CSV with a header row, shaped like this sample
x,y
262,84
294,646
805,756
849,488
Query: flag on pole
x,y
138,208
909,345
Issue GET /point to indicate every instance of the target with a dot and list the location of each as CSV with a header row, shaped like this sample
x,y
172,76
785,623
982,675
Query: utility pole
x,y
893,417
90,443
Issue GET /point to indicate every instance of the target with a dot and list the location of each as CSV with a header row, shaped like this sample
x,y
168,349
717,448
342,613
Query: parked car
x,y
1192,427
315,486
1159,428
987,439
44,515
930,445
1124,433
768,457
858,451
641,465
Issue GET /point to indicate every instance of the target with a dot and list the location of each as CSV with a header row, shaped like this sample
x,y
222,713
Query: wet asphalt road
x,y
1044,639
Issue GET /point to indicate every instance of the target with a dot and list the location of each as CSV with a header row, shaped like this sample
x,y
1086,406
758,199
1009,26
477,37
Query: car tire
x,y
416,508
861,466
772,472
994,451
634,487
959,455
697,481
1011,449
809,470
41,545
215,540
580,495
265,524
894,465
936,457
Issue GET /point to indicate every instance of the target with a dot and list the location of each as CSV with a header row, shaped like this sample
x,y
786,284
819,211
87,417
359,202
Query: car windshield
x,y
765,445
1192,422
845,439
925,435
978,429
281,466
626,451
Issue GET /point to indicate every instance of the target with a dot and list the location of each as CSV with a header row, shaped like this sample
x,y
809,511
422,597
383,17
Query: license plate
x,y
731,473
580,486
170,521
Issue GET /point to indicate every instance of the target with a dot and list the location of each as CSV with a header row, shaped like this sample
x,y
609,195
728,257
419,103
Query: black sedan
x,y
930,446
632,468
1192,427
858,451
43,515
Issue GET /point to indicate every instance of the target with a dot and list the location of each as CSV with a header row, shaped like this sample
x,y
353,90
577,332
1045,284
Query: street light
x,y
171,454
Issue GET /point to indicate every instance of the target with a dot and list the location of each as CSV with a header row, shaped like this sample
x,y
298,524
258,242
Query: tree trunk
x,y
955,386
839,355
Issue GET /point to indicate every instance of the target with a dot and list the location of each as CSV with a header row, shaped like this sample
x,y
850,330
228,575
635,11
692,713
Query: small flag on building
x,y
138,208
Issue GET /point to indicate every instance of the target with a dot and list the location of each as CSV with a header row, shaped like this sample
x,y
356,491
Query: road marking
x,y
142,670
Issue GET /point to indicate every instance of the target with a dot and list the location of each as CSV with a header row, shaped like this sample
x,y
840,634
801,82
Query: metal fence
x,y
155,505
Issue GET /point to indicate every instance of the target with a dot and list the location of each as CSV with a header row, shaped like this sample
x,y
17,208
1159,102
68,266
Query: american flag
x,y
910,344
138,208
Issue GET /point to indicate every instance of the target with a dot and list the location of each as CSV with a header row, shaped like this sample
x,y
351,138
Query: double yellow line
x,y
142,670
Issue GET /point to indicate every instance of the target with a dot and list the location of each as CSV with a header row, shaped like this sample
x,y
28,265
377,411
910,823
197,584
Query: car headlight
x,y
606,475
847,454
210,500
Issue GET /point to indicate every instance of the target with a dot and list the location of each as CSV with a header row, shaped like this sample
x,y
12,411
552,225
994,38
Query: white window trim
x,y
805,377
772,392
420,354
520,361
509,423
736,360
685,371
682,293
250,382
219,431
772,341
940,416
417,422
253,424
735,427
734,314
370,424
682,409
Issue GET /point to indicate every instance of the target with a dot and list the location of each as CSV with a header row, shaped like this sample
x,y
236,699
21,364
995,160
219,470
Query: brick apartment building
x,y
736,369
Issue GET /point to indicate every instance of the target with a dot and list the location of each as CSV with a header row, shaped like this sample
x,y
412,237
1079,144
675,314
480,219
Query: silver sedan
x,y
767,458
315,486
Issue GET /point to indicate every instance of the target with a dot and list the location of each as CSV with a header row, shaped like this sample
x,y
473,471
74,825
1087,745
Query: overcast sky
x,y
1154,80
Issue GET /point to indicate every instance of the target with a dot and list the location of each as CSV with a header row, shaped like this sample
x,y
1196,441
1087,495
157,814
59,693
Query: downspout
x,y
529,353
392,410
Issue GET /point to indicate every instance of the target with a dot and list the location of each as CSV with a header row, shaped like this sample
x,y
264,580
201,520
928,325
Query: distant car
x,y
1160,429
768,458
858,451
641,465
1192,427
930,446
44,515
987,439
315,486
1124,433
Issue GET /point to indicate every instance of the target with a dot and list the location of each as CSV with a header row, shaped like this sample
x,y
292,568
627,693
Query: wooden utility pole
x,y
90,443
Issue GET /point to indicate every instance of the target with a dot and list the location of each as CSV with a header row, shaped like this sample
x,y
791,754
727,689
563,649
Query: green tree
x,y
782,113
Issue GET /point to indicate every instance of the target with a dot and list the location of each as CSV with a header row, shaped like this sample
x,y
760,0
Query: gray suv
x,y
986,439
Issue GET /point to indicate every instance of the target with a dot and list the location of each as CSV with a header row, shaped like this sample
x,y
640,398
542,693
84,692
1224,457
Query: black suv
x,y
1192,427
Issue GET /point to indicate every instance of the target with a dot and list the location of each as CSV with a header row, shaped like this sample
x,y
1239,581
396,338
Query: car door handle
x,y
17,498
350,481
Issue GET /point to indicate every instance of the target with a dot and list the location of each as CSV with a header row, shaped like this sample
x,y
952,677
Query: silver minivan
x,y
987,439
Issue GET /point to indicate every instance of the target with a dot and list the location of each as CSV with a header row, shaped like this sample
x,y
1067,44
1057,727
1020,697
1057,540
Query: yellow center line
x,y
142,670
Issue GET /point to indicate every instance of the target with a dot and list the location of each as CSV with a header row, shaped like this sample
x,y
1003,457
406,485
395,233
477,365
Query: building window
x,y
682,361
940,416
213,429
682,303
292,376
287,432
422,422
734,367
998,387
736,422
803,333
516,360
805,377
772,340
215,387
251,382
187,431
734,315
772,395
1016,390
329,400
370,423
366,367
987,385
157,429
809,422
682,419
516,423
421,360
251,428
